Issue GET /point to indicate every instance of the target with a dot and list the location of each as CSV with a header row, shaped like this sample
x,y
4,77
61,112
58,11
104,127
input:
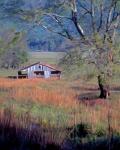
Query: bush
x,y
100,131
81,131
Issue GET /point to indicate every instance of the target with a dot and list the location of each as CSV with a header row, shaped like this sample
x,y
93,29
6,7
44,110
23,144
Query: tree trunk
x,y
104,88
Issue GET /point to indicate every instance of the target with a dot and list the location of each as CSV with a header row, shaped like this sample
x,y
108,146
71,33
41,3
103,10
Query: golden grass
x,y
31,90
96,113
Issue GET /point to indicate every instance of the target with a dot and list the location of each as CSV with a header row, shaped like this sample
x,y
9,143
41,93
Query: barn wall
x,y
37,67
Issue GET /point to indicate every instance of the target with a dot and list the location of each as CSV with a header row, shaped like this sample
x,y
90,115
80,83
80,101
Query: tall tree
x,y
97,24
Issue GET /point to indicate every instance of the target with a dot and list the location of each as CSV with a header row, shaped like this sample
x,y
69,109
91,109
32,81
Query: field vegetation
x,y
57,112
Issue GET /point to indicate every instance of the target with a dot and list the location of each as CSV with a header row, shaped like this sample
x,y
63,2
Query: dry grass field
x,y
60,104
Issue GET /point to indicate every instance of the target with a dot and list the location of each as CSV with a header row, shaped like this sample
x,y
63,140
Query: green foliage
x,y
81,131
100,131
12,49
101,79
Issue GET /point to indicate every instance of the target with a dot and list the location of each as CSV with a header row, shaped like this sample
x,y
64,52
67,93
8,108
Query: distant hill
x,y
37,37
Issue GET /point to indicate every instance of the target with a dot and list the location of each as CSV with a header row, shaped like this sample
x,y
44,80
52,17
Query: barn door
x,y
47,74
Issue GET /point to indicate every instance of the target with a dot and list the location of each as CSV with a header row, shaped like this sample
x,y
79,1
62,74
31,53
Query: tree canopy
x,y
13,50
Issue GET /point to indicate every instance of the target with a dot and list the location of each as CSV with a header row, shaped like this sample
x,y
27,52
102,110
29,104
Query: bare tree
x,y
99,35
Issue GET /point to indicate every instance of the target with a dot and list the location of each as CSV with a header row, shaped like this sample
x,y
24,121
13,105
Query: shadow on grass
x,y
88,96
80,88
17,136
117,89
99,144
21,134
92,99
82,138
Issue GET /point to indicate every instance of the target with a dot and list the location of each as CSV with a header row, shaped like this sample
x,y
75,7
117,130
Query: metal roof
x,y
39,63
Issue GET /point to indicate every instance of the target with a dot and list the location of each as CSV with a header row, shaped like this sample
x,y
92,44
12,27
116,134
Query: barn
x,y
39,70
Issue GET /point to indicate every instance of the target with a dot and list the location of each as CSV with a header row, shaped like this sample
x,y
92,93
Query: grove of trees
x,y
13,50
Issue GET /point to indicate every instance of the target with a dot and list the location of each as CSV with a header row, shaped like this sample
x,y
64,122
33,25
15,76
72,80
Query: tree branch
x,y
53,31
75,19
109,17
101,17
93,16
87,11
55,17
